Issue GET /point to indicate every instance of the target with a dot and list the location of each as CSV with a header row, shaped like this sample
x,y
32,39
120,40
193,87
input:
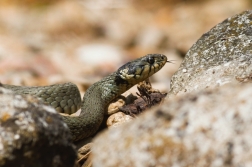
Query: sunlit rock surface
x,y
32,134
207,128
220,56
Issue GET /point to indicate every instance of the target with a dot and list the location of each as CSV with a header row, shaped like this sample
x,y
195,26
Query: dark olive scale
x,y
66,97
54,95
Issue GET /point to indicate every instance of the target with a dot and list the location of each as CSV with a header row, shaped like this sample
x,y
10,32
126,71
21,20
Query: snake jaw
x,y
124,74
119,80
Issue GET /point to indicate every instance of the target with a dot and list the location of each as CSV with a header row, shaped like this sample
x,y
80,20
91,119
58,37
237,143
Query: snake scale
x,y
66,97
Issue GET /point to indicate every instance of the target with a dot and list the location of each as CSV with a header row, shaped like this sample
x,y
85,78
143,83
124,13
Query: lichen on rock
x,y
220,56
32,134
208,128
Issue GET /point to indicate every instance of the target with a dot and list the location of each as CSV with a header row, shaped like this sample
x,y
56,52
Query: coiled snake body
x,y
66,97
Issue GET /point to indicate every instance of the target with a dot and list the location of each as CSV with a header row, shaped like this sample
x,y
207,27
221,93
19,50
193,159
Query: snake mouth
x,y
140,69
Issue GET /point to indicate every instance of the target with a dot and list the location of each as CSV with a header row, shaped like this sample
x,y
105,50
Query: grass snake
x,y
66,97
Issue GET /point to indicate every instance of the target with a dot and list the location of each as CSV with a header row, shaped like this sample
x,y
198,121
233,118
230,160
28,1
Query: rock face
x,y
207,127
222,55
32,134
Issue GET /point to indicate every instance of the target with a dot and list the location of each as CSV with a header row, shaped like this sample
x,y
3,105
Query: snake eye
x,y
151,60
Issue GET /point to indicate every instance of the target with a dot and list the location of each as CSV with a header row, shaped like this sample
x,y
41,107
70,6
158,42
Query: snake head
x,y
140,69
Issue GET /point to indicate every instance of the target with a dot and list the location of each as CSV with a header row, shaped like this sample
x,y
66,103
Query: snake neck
x,y
94,105
104,92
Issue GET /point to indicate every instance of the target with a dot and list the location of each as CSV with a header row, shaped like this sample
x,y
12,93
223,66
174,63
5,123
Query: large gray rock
x,y
32,134
222,55
211,128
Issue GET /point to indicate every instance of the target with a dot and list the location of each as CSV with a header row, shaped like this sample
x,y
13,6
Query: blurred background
x,y
44,42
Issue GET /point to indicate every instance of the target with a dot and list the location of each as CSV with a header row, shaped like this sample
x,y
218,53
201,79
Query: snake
x,y
66,97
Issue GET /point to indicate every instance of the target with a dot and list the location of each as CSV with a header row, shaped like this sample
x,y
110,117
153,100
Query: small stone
x,y
118,119
114,107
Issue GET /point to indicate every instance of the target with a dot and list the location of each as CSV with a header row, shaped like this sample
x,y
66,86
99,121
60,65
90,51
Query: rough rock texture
x,y
222,55
32,134
204,128
210,128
